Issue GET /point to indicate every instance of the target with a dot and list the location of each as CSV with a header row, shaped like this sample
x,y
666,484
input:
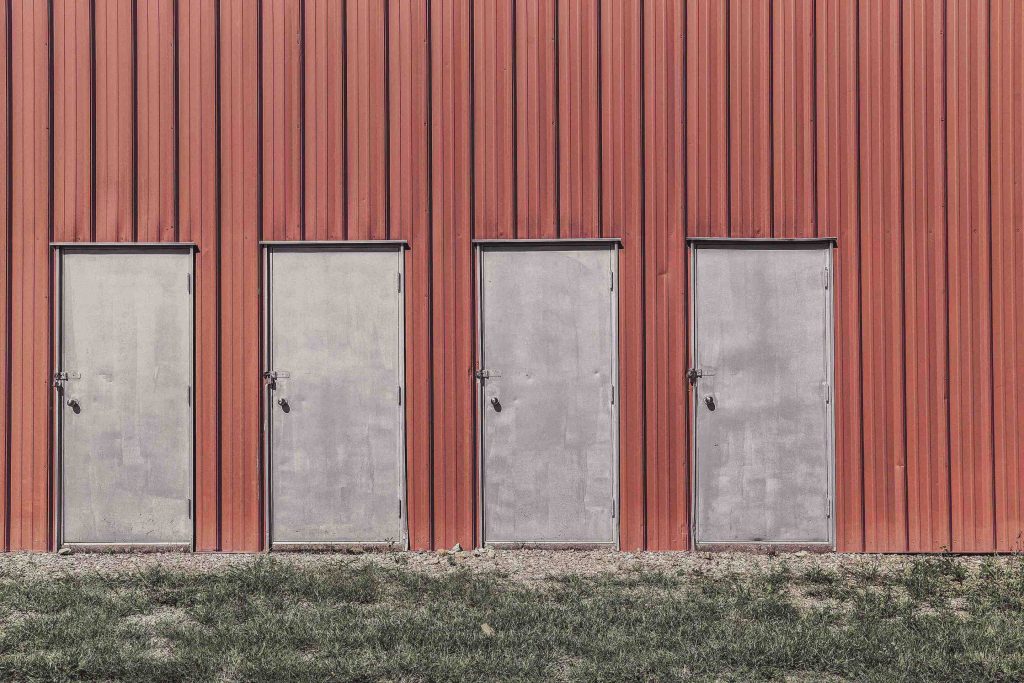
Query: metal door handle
x,y
709,401
73,404
283,402
496,404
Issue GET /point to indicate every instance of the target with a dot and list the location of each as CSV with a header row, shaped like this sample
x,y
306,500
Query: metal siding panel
x,y
115,122
324,141
970,279
547,451
452,315
622,216
750,125
197,208
859,61
884,412
924,203
72,106
793,119
665,277
762,469
5,269
282,90
579,116
156,165
494,99
536,97
239,277
1007,54
336,444
707,118
126,343
838,178
29,434
367,125
409,84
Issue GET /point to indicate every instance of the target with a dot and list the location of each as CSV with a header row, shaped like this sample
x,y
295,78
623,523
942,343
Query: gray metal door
x,y
548,419
337,441
763,353
125,398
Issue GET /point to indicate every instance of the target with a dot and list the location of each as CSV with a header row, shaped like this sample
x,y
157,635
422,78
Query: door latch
x,y
59,378
693,374
271,376
486,374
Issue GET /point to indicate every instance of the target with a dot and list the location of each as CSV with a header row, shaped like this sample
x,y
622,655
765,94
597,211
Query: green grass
x,y
274,620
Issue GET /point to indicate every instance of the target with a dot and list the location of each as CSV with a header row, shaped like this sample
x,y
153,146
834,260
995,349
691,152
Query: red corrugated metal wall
x,y
893,126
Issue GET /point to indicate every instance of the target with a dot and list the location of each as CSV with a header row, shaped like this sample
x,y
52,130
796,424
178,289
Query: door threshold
x,y
764,548
335,547
127,547
548,545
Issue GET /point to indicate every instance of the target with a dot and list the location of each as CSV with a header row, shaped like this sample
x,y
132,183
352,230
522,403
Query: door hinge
x,y
399,395
188,395
399,282
613,394
189,501
188,282
613,281
613,507
828,507
826,277
828,393
399,508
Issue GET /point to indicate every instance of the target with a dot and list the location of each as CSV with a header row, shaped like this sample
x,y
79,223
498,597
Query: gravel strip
x,y
525,565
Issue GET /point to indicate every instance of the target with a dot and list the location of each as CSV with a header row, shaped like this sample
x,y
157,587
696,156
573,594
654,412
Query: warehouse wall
x,y
895,127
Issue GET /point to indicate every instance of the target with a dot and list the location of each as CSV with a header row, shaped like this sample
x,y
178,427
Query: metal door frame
x,y
268,247
59,250
830,244
479,247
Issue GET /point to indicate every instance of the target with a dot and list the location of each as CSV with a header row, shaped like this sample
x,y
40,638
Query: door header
x,y
766,241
